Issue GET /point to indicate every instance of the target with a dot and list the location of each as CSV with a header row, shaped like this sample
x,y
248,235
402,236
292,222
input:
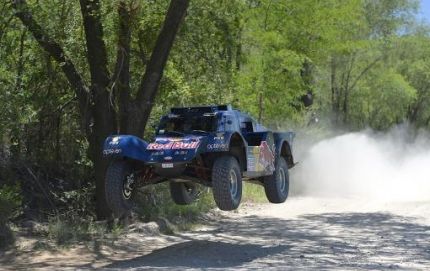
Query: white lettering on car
x,y
173,145
111,151
217,146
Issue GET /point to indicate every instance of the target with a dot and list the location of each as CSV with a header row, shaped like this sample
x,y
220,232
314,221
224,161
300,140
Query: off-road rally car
x,y
214,146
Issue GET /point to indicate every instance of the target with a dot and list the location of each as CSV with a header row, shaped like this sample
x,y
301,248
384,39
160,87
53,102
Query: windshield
x,y
187,124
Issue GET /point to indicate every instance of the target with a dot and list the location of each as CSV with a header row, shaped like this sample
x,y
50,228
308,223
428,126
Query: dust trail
x,y
394,166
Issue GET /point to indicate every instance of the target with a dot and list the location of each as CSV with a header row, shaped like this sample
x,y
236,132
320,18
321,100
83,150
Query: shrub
x,y
10,208
155,202
67,230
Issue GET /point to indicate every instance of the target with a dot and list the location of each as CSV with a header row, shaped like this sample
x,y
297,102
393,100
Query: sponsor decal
x,y
173,144
267,157
114,140
219,137
219,142
217,146
261,158
111,151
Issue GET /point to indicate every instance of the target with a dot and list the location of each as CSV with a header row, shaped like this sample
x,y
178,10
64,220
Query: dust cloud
x,y
393,166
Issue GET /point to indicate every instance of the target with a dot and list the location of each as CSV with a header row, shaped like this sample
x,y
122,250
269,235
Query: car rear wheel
x,y
119,184
227,183
183,193
277,185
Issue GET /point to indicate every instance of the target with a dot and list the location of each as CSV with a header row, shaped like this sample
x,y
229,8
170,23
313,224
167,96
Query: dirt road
x,y
303,233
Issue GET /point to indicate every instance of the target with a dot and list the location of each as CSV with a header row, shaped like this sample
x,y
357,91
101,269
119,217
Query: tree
x,y
363,42
97,98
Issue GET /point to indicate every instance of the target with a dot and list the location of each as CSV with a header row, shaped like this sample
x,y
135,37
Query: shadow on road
x,y
201,254
318,241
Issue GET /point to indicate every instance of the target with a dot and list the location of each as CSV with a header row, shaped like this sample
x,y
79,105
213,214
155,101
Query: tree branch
x,y
121,77
154,70
364,71
4,26
56,52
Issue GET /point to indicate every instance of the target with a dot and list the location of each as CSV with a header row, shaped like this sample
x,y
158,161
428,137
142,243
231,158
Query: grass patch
x,y
67,231
253,193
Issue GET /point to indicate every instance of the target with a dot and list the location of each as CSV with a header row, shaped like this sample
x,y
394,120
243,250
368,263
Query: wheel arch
x,y
286,152
237,148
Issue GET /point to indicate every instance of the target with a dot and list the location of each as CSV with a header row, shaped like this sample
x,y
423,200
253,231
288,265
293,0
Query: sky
x,y
424,12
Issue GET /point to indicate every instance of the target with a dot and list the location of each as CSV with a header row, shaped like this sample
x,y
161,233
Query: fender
x,y
120,146
280,139
220,141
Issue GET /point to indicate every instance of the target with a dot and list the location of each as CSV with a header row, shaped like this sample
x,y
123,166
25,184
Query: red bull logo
x,y
173,145
266,157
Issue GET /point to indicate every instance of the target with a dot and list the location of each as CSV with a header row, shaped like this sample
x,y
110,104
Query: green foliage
x,y
253,193
10,202
77,203
389,104
64,230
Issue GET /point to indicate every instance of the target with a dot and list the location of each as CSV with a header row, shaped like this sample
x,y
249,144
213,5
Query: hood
x,y
187,142
175,149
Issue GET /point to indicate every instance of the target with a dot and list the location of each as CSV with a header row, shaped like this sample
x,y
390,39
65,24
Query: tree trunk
x,y
345,107
260,106
103,112
104,125
334,91
20,64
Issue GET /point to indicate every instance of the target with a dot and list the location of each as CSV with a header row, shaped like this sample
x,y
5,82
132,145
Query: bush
x,y
155,202
10,202
68,230
77,203
7,237
10,208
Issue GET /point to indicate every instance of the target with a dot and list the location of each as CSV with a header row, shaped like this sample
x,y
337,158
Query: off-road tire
x,y
276,192
180,193
116,175
223,168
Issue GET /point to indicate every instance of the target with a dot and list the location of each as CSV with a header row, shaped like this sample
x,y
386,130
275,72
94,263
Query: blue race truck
x,y
214,146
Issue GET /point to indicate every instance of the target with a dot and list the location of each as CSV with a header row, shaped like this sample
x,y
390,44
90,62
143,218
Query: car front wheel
x,y
119,184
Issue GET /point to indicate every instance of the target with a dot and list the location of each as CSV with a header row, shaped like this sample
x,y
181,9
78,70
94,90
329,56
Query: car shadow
x,y
201,254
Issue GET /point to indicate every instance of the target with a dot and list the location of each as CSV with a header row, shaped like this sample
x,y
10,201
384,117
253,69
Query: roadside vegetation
x,y
366,62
